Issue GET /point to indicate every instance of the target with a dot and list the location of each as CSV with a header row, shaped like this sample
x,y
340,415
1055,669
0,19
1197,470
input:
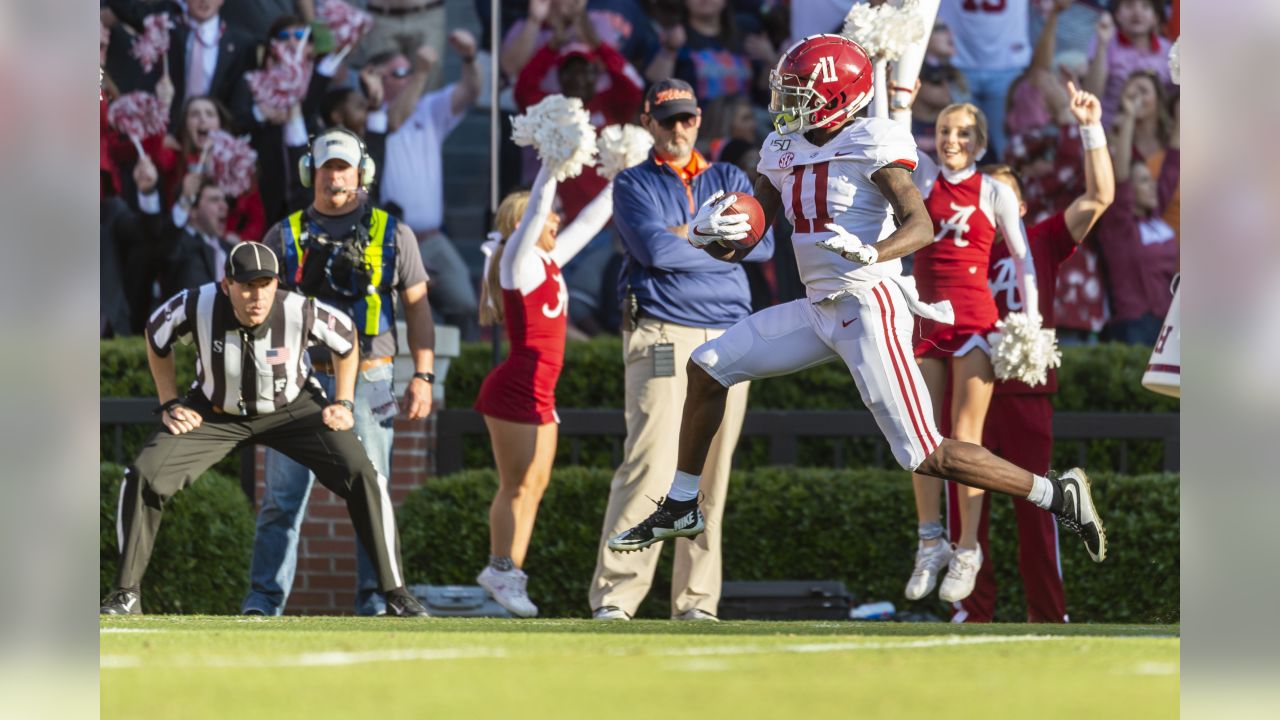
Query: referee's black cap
x,y
249,261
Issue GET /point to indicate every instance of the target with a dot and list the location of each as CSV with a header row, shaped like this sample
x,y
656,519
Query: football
x,y
755,216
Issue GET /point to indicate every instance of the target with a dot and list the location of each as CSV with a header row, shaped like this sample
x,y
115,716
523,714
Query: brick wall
x,y
326,577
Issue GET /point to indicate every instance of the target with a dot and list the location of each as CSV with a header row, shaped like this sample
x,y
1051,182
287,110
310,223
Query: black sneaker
x,y
122,602
1078,514
402,604
672,519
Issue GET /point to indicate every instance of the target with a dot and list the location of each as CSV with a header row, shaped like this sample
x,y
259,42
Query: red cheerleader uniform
x,y
954,267
523,388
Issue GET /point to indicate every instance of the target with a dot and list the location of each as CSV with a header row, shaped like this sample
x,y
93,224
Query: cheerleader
x,y
967,209
525,289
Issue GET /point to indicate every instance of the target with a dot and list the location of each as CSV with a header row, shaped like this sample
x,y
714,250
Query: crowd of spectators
x,y
167,222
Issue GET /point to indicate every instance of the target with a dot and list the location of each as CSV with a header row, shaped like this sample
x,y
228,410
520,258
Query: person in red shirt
x,y
578,65
1019,422
525,288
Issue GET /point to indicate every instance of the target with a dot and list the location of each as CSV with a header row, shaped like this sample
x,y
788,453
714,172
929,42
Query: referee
x,y
254,387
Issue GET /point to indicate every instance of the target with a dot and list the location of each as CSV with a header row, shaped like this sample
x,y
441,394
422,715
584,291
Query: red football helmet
x,y
820,82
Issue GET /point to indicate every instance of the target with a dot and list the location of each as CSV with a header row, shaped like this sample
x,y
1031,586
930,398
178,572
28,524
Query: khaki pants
x,y
406,33
655,407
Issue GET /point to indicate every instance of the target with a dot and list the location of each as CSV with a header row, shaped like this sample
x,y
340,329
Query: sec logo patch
x,y
786,159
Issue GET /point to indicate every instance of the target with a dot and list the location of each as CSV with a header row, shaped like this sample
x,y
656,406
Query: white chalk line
x,y
333,658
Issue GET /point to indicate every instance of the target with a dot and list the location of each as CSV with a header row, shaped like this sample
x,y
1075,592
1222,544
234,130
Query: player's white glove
x,y
712,225
848,247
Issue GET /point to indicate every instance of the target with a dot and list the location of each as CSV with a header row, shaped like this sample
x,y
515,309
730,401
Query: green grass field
x,y
230,667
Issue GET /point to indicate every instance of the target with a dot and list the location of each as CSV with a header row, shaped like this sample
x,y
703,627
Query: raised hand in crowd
x,y
463,43
190,186
1084,106
539,10
424,59
663,65
468,87
164,92
586,29
1105,29
145,175
371,81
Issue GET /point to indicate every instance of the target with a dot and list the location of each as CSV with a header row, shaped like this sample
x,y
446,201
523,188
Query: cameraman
x,y
346,252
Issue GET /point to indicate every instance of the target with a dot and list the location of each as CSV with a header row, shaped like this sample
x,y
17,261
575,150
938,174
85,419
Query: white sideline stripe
x,y
848,646
118,661
316,659
114,630
1155,668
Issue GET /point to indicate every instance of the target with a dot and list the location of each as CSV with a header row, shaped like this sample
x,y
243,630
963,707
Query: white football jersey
x,y
832,184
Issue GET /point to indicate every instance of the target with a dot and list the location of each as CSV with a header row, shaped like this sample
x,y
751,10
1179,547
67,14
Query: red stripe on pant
x,y
931,441
1018,428
891,341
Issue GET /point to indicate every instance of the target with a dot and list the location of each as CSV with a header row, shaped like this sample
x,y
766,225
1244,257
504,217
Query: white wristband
x,y
1093,137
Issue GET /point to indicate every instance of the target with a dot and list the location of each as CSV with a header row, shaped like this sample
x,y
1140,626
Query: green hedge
x,y
1102,378
801,523
201,558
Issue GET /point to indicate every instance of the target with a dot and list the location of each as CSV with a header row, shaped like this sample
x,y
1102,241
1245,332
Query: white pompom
x,y
560,129
621,147
1022,350
885,31
1175,63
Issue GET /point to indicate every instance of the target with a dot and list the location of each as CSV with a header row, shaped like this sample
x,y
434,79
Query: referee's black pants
x,y
168,463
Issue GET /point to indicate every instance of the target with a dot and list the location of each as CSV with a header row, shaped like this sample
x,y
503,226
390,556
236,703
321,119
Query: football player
x,y
845,184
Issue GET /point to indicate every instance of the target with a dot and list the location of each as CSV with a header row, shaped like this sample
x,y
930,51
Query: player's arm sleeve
x,y
895,147
1015,237
521,269
329,326
588,224
169,322
646,236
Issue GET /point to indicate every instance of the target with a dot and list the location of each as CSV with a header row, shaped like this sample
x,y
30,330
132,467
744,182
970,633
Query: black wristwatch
x,y
346,404
429,377
166,407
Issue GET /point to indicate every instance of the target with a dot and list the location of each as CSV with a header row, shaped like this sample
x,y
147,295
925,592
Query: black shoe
x,y
402,604
122,602
672,519
1078,514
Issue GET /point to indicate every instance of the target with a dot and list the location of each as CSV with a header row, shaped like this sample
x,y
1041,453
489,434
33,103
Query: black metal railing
x,y
785,428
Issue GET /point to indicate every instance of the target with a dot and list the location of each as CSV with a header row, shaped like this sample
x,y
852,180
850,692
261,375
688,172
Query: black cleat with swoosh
x,y
122,602
671,520
1078,513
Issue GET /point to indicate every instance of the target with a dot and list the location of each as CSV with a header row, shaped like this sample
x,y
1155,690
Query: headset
x,y
306,165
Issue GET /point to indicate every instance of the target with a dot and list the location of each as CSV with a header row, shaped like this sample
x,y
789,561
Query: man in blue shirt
x,y
675,297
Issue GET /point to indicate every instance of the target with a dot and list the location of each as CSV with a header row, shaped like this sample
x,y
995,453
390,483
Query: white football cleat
x,y
961,575
929,564
509,590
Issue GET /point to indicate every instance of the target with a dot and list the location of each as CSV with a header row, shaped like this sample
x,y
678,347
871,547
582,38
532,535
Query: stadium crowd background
x,y
607,52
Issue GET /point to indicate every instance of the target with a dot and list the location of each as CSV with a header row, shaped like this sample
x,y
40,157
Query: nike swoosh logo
x,y
846,323
699,234
842,154
1075,502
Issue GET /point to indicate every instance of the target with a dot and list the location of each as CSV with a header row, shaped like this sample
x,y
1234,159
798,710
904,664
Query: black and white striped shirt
x,y
249,371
